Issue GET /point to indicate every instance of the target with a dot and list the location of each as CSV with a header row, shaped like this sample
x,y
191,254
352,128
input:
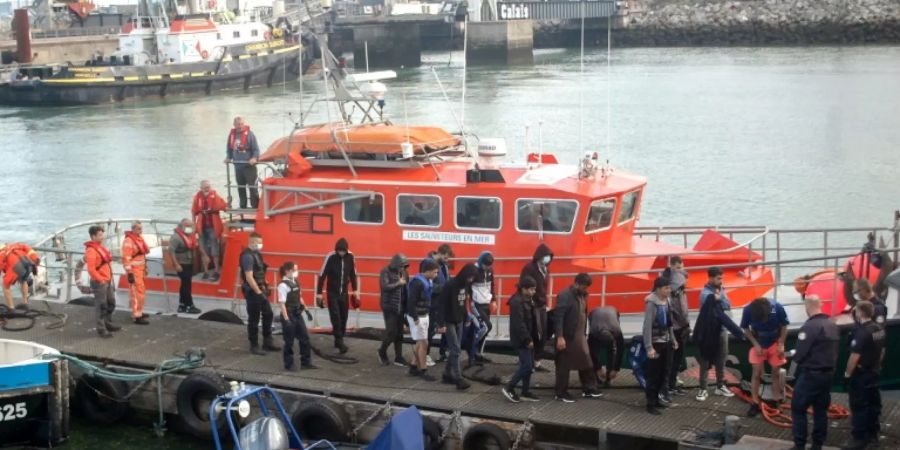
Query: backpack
x,y
637,356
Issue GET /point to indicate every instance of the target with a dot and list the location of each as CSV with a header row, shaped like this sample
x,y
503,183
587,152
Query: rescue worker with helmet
x,y
863,369
243,151
205,209
256,296
815,355
18,263
134,258
98,260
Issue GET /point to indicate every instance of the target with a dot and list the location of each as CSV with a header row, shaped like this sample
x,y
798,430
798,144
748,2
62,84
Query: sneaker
x,y
528,397
401,361
679,383
442,358
270,346
462,384
541,369
413,371
753,411
446,379
592,394
653,411
678,391
429,362
482,359
723,391
193,310
426,376
664,399
511,395
103,333
565,398
342,348
702,395
182,308
257,351
292,369
383,359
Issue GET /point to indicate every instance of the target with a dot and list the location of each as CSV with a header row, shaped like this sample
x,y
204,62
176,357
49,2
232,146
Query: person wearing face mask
x,y
538,269
256,296
681,324
205,208
182,246
292,308
861,374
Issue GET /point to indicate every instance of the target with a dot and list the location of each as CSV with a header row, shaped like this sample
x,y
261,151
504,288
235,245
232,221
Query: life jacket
x,y
189,242
140,245
259,268
242,147
18,249
423,304
103,252
292,303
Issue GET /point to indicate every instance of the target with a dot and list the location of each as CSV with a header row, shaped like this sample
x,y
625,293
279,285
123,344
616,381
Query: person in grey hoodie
x,y
681,324
393,279
659,340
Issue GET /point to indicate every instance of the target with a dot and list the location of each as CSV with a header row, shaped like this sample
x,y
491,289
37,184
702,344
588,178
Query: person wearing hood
x,y
538,269
521,331
572,353
707,336
441,257
681,324
418,306
452,314
338,270
483,301
182,247
659,340
393,279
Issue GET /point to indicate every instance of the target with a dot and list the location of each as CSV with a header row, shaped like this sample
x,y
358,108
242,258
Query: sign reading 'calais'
x,y
452,238
513,11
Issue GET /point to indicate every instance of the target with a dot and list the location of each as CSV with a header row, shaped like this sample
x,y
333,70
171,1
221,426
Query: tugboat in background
x,y
208,50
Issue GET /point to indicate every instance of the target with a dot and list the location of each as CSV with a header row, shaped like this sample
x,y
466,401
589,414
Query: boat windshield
x,y
629,206
600,215
549,216
419,210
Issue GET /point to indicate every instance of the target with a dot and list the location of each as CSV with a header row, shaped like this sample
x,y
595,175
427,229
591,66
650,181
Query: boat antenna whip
x,y
581,97
462,122
608,93
446,98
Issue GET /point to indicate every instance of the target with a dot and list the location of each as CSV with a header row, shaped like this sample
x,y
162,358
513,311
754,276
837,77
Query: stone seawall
x,y
735,22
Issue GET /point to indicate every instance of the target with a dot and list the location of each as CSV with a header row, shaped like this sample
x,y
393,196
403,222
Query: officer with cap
x,y
863,367
816,354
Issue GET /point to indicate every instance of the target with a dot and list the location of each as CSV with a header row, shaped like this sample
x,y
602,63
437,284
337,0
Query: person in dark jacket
x,y
442,258
483,301
418,305
681,324
521,330
707,337
569,325
338,270
605,337
392,280
538,269
452,314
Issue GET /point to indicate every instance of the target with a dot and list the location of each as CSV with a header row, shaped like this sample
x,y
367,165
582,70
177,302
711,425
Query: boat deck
x,y
619,412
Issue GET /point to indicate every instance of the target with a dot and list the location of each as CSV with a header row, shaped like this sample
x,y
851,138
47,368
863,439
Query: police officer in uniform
x,y
863,367
291,311
816,354
256,294
863,291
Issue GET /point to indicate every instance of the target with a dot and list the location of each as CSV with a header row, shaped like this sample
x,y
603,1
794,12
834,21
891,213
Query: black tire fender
x,y
221,315
322,419
431,434
486,435
192,400
101,400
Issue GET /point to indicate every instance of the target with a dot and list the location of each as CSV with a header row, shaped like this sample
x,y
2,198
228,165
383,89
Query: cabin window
x,y
237,34
419,210
254,33
601,215
365,210
478,212
629,205
549,216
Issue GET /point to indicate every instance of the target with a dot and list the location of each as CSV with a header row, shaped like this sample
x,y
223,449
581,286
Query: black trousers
x,y
678,362
865,405
295,329
393,333
612,345
257,305
338,311
484,310
657,371
245,177
184,291
812,388
432,330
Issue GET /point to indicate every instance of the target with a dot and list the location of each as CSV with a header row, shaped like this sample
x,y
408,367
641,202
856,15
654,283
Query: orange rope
x,y
781,416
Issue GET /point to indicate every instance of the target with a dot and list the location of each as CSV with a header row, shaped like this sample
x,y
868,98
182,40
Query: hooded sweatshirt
x,y
537,270
452,308
483,286
679,305
657,321
337,271
392,290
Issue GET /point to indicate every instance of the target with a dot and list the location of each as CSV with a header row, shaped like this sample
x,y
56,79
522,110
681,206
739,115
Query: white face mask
x,y
259,247
546,260
294,275
188,230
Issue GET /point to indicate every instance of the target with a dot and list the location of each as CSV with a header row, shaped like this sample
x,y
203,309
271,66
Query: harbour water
x,y
788,137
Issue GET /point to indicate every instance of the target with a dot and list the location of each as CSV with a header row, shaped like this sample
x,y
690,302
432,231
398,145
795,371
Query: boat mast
x,y
462,121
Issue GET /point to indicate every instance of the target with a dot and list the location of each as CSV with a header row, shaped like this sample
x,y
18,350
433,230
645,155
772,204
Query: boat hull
x,y
205,78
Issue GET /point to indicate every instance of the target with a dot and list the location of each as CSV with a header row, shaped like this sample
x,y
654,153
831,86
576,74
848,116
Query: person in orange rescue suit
x,y
205,208
98,258
134,258
242,150
18,263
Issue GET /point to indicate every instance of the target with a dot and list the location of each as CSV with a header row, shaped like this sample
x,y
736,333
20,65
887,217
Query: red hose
x,y
781,416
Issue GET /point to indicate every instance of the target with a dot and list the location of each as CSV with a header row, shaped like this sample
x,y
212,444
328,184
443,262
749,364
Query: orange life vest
x,y
245,133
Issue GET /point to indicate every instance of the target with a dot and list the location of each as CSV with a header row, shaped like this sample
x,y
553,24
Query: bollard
x,y
732,429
